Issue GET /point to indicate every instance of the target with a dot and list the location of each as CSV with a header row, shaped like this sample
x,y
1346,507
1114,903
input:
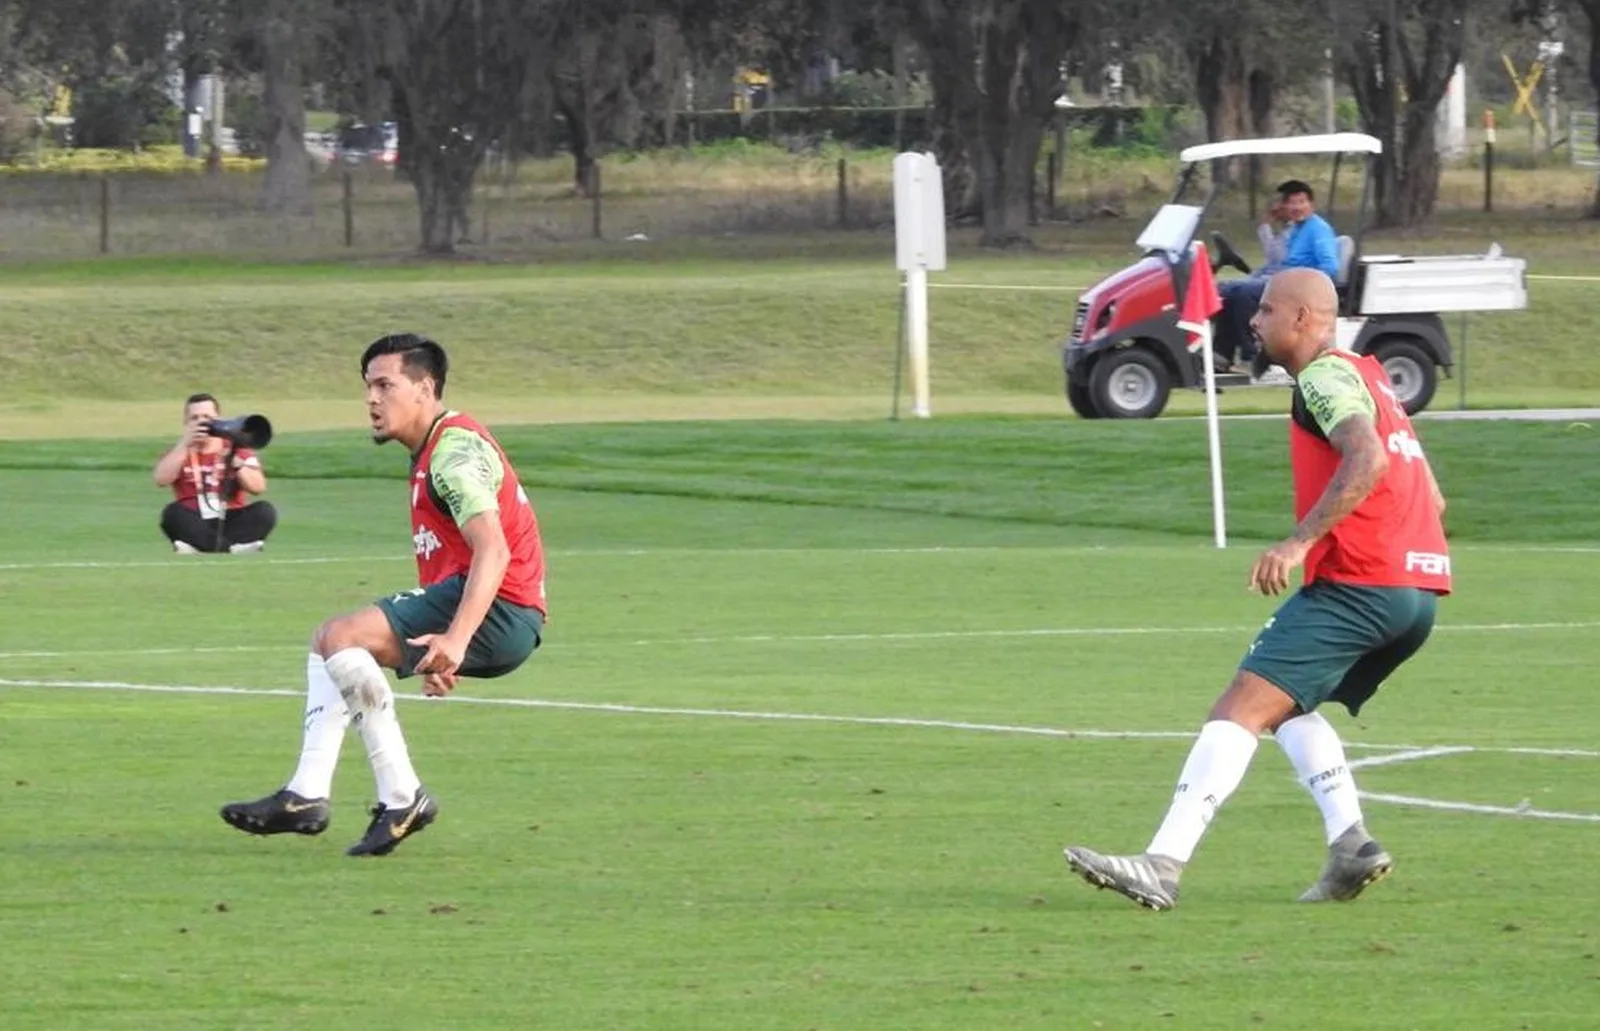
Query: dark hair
x,y
1289,187
194,399
419,357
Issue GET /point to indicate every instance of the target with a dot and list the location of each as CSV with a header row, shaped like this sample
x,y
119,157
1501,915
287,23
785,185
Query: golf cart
x,y
1126,351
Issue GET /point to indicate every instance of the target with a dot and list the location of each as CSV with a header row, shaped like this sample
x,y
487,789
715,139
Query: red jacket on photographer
x,y
196,468
202,476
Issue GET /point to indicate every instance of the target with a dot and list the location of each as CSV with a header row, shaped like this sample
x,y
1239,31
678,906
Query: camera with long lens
x,y
251,431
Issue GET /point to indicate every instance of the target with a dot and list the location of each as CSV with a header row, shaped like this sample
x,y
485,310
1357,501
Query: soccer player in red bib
x,y
1370,538
478,611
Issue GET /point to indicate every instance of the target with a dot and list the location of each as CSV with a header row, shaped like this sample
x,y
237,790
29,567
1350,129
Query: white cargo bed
x,y
1396,285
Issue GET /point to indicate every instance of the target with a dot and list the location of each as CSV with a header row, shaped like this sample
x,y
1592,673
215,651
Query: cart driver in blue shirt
x,y
1312,243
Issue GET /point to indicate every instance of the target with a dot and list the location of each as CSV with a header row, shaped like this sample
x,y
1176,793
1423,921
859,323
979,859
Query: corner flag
x,y
1200,302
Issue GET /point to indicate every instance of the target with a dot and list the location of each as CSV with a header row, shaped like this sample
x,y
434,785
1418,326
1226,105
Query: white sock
x,y
1215,767
327,716
363,684
1313,746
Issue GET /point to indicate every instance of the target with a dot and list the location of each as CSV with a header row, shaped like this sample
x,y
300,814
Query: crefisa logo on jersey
x,y
1404,444
426,542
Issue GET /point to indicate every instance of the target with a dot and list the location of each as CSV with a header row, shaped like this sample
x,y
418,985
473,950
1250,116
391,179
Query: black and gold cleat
x,y
283,812
389,827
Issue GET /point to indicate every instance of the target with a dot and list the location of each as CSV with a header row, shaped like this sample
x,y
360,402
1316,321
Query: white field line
x,y
1536,549
637,710
203,561
1107,550
1409,755
1021,287
198,562
1047,632
1004,286
1406,753
1473,807
833,638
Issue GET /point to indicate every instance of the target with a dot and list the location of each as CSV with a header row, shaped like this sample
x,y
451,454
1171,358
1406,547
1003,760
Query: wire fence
x,y
65,215
1584,134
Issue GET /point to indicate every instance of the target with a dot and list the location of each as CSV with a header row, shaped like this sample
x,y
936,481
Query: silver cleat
x,y
1355,860
1151,881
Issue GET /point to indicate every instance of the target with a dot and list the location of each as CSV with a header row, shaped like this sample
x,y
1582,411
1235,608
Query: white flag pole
x,y
919,248
1219,520
917,340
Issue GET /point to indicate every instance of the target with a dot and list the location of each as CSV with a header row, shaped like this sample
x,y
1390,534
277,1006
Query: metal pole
x,y
1033,195
105,214
1366,200
917,339
844,194
1052,176
349,212
1333,187
1488,177
1488,159
899,355
1463,402
1060,150
1330,106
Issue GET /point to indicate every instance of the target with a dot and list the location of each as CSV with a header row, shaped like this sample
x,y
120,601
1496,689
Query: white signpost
x,y
919,249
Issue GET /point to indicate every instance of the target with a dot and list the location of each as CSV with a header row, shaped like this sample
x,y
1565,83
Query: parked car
x,y
362,144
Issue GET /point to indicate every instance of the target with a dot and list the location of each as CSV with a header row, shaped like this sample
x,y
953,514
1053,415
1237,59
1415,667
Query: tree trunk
x,y
288,183
1381,62
994,66
951,127
434,225
442,177
451,67
1262,93
1222,82
191,100
1591,9
1416,191
1005,165
579,139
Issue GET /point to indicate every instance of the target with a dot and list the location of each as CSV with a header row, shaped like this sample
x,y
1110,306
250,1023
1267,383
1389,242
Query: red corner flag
x,y
1202,300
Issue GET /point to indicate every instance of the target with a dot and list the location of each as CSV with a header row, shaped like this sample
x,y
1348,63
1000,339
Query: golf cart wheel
x,y
1130,384
1081,400
1412,372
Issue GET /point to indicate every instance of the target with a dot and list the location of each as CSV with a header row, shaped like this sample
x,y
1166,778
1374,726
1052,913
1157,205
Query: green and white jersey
x,y
1333,391
466,473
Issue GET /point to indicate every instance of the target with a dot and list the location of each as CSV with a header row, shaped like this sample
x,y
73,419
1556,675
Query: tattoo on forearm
x,y
1361,466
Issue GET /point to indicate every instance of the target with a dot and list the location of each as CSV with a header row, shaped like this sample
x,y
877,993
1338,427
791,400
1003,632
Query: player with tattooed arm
x,y
1372,543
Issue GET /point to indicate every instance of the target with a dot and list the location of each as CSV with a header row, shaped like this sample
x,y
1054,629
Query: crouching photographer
x,y
214,471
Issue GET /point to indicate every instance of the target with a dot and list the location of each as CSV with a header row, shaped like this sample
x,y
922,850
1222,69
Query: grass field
x,y
785,327
823,695
801,750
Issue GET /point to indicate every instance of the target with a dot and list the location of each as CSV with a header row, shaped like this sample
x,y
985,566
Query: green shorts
x,y
509,634
1336,642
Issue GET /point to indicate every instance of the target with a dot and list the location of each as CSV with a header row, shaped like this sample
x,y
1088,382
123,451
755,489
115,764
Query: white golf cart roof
x,y
1327,143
